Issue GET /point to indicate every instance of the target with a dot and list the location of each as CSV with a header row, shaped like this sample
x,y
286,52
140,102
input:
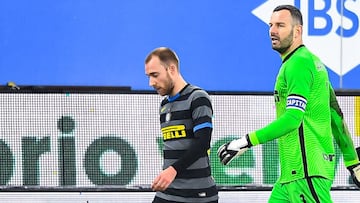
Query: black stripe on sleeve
x,y
204,119
201,101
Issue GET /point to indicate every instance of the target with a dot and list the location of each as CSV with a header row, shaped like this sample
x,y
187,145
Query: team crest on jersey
x,y
167,117
296,102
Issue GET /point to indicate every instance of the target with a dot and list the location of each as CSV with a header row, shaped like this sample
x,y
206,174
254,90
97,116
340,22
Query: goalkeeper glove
x,y
227,152
355,170
355,173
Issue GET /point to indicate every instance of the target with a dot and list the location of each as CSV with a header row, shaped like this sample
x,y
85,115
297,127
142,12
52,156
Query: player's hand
x,y
227,152
355,173
164,179
355,170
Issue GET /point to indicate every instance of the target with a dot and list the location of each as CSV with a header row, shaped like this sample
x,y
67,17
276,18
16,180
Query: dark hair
x,y
295,12
166,56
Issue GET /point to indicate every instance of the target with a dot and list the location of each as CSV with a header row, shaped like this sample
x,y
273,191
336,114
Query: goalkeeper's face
x,y
285,34
159,77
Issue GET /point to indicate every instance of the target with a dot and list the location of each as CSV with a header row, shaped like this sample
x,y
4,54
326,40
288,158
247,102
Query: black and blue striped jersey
x,y
186,125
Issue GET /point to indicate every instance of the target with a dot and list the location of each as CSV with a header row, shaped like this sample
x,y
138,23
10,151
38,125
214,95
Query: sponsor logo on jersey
x,y
296,102
173,132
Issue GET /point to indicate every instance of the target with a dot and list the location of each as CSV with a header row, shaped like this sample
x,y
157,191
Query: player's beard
x,y
284,44
168,86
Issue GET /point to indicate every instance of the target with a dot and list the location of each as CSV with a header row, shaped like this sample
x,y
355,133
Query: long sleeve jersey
x,y
308,120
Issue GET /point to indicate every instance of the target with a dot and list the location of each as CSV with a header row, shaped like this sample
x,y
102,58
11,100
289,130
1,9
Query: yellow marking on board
x,y
357,116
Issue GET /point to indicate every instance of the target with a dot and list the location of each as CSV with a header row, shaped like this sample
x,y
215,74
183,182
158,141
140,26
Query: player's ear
x,y
172,68
298,31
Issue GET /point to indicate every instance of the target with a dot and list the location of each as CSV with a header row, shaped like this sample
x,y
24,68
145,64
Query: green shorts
x,y
309,190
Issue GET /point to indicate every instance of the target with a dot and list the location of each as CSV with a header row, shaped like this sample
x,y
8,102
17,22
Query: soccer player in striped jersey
x,y
186,125
308,120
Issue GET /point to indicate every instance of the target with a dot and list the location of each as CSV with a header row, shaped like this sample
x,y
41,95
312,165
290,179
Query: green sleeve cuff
x,y
351,163
253,139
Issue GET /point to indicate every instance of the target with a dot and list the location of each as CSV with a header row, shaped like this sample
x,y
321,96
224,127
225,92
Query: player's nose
x,y
152,82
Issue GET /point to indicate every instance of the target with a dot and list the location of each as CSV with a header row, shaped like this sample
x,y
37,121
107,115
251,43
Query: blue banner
x,y
222,45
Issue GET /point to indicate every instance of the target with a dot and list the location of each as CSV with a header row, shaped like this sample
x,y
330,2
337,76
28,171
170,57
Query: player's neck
x,y
180,83
294,46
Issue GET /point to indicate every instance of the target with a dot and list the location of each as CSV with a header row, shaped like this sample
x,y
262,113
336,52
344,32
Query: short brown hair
x,y
166,56
295,12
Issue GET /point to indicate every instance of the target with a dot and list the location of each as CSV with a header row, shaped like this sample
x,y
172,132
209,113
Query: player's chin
x,y
161,92
275,45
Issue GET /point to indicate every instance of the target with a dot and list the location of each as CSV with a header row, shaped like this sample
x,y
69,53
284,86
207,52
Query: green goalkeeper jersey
x,y
304,120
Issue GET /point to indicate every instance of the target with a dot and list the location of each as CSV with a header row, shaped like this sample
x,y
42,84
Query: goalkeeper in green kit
x,y
308,120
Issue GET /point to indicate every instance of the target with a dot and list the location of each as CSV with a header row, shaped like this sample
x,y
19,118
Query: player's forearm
x,y
288,122
343,138
198,149
340,131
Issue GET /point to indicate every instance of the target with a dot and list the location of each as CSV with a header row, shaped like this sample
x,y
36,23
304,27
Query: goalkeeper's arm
x,y
341,133
343,139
